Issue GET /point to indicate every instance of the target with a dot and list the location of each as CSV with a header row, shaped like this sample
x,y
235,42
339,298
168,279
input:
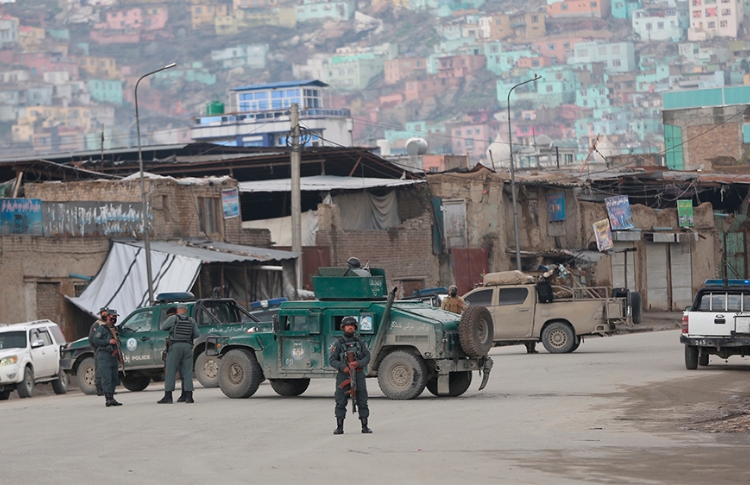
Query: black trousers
x,y
342,399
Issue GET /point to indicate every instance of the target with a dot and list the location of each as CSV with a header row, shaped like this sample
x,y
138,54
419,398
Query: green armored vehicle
x,y
413,345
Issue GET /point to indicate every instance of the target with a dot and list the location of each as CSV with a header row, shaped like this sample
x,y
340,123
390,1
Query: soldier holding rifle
x,y
108,356
350,355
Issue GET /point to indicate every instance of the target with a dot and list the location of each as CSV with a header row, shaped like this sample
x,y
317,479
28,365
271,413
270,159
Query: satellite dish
x,y
543,141
416,146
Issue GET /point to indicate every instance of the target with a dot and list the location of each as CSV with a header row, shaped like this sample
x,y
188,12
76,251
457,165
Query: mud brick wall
x,y
722,141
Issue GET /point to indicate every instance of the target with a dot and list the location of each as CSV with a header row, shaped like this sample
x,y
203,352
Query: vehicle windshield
x,y
13,340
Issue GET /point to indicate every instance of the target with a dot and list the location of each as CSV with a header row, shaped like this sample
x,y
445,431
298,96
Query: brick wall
x,y
722,141
405,252
174,207
48,301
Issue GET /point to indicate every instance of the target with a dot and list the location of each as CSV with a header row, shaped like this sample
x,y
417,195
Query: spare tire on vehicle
x,y
476,331
636,306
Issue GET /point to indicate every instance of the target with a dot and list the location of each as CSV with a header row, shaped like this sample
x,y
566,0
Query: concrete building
x,y
715,18
250,56
661,22
349,68
578,8
203,15
259,116
105,90
617,57
623,9
8,30
400,68
325,9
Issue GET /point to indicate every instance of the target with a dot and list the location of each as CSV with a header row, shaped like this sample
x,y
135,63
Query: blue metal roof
x,y
283,84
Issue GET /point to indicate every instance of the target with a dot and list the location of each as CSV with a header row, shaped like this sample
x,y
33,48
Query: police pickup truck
x,y
413,345
718,322
143,341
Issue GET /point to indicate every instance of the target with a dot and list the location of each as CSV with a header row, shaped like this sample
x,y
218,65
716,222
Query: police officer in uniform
x,y
97,375
453,302
106,342
354,265
182,330
350,343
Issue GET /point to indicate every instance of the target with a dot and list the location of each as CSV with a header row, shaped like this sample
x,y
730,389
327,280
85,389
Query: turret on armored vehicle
x,y
413,345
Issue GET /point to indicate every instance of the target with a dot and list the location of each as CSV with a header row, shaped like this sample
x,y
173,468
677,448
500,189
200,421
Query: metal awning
x,y
323,183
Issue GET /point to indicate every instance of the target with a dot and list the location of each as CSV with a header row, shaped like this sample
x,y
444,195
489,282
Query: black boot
x,y
99,390
110,400
189,397
365,429
340,426
167,399
182,397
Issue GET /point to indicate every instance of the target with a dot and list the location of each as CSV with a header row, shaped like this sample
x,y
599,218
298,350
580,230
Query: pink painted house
x,y
560,49
472,140
138,18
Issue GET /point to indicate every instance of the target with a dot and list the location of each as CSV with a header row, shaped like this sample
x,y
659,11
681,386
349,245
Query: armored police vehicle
x,y
412,345
143,341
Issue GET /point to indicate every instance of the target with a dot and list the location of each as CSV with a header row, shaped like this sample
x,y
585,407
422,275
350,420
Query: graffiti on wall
x,y
92,218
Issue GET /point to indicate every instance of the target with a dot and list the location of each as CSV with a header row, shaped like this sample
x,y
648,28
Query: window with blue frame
x,y
256,101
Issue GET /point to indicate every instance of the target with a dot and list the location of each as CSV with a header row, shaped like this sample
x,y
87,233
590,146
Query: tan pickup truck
x,y
525,312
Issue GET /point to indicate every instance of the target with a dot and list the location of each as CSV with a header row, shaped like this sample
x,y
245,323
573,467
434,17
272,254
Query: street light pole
x,y
144,212
513,174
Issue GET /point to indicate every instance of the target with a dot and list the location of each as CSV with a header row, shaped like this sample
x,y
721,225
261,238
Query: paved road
x,y
612,412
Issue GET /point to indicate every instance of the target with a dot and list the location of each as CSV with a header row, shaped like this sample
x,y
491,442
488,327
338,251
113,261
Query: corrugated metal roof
x,y
282,84
319,183
215,252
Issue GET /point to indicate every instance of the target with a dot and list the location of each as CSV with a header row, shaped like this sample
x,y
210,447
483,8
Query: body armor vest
x,y
182,330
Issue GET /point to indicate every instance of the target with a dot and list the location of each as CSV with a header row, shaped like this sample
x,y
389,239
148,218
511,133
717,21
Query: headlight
x,y
9,360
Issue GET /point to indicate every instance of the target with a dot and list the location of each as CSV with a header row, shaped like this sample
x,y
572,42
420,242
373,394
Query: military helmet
x,y
348,321
453,290
353,262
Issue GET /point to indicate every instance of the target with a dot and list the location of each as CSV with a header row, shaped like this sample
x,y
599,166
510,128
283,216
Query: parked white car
x,y
30,355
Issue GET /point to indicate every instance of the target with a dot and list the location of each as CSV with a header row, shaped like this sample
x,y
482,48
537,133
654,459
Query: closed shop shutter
x,y
618,266
656,277
680,261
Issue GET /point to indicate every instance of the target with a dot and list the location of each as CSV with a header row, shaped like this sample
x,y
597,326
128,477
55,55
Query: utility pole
x,y
296,197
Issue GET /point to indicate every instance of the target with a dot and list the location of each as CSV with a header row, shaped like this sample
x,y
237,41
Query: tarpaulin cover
x,y
281,228
121,283
363,211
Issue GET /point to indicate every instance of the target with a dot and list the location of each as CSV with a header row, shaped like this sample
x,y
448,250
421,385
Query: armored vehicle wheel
x,y
60,385
239,374
636,308
691,357
86,377
4,395
289,387
25,388
703,359
558,338
476,331
402,375
207,370
135,383
459,383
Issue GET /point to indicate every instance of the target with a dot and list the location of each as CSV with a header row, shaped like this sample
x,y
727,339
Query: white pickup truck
x,y
718,322
30,355
560,322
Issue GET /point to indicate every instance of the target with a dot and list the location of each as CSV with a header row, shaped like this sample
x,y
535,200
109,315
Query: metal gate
x,y
735,242
656,277
454,217
681,275
469,265
618,266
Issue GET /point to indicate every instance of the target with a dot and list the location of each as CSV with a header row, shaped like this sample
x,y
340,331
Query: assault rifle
x,y
352,381
118,349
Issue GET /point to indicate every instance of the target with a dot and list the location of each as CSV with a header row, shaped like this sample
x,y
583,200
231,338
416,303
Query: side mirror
x,y
37,343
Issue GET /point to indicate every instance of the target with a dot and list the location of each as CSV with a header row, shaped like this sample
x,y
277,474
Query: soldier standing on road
x,y
350,343
453,302
106,343
182,330
97,375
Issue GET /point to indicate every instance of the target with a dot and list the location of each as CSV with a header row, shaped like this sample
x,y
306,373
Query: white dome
x,y
500,154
